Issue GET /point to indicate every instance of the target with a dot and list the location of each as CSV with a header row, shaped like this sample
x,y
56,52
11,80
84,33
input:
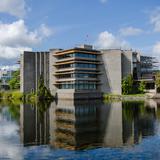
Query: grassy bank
x,y
16,95
132,97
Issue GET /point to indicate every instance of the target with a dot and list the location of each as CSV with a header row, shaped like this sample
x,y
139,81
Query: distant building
x,y
83,72
5,76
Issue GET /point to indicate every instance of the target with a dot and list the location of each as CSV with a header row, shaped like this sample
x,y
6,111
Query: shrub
x,y
127,85
141,87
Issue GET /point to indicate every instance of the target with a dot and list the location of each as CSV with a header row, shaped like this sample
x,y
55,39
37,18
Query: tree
x,y
14,82
141,87
43,92
127,85
157,80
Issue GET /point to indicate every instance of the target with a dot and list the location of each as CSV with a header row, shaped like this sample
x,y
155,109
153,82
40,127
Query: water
x,y
82,130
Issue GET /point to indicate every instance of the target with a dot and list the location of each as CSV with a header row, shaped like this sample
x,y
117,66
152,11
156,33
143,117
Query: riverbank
x,y
132,97
16,95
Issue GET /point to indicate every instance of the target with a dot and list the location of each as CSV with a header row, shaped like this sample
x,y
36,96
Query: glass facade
x,y
78,68
78,86
80,55
77,75
78,65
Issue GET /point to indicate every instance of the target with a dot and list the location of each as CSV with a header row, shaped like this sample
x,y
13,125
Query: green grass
x,y
114,97
134,95
16,95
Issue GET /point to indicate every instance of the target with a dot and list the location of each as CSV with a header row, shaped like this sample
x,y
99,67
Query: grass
x,y
16,95
134,95
114,97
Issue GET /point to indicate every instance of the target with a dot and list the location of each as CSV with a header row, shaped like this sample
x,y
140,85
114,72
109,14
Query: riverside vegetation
x,y
14,94
130,90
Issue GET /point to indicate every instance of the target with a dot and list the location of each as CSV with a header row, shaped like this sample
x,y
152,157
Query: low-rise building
x,y
82,72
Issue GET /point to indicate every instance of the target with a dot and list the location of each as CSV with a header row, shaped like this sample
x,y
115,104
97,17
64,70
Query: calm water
x,y
80,130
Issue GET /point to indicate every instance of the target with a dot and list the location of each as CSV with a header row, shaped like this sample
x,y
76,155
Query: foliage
x,y
43,92
10,95
157,77
14,82
127,85
42,107
141,87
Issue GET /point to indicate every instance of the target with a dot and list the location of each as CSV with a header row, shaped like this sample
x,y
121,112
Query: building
x,y
5,76
32,66
76,73
83,72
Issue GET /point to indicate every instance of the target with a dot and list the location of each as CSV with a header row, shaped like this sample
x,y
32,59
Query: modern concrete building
x,y
76,73
32,66
82,72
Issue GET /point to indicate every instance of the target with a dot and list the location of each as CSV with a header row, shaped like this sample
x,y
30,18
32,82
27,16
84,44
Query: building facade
x,y
82,72
32,66
76,72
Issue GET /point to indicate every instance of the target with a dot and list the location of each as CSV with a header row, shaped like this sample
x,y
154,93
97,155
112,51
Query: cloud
x,y
130,31
16,37
107,40
155,19
17,34
7,52
46,31
11,67
13,7
156,49
103,1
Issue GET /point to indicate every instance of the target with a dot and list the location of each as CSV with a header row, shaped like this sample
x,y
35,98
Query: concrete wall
x,y
52,69
111,71
127,63
33,64
27,72
73,94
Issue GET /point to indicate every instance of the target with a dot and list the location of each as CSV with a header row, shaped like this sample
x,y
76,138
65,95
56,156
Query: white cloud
x,y
17,34
155,19
130,31
156,49
103,1
107,40
7,52
16,37
13,7
45,30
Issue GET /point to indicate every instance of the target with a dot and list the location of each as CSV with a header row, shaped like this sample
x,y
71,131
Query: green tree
x,y
43,92
157,80
127,85
141,87
14,82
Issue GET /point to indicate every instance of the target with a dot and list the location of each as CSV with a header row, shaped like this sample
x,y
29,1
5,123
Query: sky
x,y
40,25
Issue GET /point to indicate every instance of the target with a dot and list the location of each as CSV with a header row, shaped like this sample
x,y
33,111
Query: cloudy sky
x,y
44,24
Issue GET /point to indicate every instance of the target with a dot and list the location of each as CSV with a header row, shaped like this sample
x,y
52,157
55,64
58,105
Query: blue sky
x,y
45,24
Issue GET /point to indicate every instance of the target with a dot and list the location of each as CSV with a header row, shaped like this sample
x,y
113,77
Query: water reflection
x,y
86,124
9,132
34,124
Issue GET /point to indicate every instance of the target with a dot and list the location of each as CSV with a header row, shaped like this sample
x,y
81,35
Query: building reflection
x,y
34,124
78,125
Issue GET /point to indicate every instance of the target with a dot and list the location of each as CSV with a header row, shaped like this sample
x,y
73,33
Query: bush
x,y
43,92
127,85
141,87
14,82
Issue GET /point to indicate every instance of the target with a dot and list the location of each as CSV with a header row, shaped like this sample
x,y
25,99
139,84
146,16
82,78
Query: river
x,y
80,130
